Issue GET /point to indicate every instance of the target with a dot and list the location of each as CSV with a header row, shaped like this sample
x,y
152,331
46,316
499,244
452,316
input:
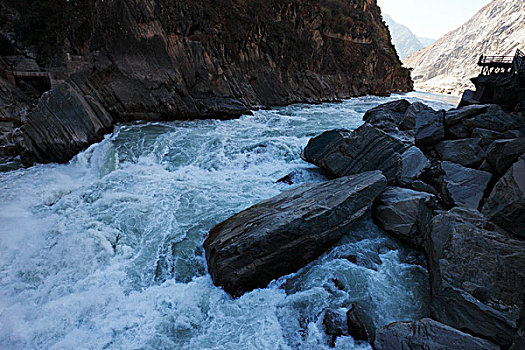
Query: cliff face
x,y
160,59
447,65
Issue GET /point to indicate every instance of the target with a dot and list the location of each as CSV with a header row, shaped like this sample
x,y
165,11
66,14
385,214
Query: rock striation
x,y
165,60
445,170
282,234
427,334
477,275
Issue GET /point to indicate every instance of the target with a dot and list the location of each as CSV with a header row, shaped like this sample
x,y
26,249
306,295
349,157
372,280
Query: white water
x,y
105,252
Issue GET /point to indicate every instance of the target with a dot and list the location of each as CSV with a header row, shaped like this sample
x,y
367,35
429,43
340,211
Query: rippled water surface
x,y
105,252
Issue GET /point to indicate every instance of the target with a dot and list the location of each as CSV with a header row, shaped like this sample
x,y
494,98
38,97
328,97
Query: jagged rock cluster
x,y
165,60
449,183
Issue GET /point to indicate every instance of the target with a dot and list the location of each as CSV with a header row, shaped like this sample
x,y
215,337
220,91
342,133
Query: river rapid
x,y
106,252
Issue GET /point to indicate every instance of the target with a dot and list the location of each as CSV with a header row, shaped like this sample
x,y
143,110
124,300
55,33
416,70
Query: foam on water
x,y
106,251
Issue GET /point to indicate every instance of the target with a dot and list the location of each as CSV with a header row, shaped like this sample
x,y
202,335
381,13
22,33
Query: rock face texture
x,y
342,152
163,60
506,204
477,275
448,64
462,186
404,213
282,234
453,164
62,124
427,334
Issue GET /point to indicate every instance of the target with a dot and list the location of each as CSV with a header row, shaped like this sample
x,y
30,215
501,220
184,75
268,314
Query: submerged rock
x,y
280,235
477,273
506,204
427,334
360,325
462,186
335,325
342,152
404,213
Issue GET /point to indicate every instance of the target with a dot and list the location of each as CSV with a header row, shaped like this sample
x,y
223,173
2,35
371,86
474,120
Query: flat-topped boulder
x,y
284,233
477,274
367,148
427,334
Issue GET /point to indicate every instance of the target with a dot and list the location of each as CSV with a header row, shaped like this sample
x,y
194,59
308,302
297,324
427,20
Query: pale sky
x,y
431,18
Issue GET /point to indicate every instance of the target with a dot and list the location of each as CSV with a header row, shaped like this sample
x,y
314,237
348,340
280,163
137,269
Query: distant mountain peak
x,y
448,64
403,39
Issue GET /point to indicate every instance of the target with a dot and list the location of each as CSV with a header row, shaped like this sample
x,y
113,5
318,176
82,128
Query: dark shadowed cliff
x,y
162,60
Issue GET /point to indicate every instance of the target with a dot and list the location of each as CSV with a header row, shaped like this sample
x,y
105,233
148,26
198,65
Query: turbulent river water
x,y
106,252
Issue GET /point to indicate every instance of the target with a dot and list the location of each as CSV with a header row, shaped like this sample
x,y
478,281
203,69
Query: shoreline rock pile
x,y
455,190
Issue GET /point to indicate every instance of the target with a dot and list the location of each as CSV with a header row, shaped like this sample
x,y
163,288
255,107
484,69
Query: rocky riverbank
x,y
455,190
165,60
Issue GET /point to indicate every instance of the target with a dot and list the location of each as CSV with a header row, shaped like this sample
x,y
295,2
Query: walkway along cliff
x,y
163,60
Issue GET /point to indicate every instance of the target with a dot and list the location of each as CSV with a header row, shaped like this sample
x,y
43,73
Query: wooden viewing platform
x,y
502,64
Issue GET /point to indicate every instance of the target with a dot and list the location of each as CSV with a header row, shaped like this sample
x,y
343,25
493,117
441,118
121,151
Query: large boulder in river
x,y
430,128
462,186
282,234
368,148
404,213
64,123
427,334
506,204
477,274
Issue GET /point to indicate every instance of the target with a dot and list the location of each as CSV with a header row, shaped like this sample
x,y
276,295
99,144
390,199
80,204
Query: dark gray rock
x,y
427,334
506,204
64,123
462,186
494,118
408,122
335,324
455,116
467,152
501,154
342,152
430,128
388,115
404,213
477,274
413,164
421,186
486,136
282,234
360,325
